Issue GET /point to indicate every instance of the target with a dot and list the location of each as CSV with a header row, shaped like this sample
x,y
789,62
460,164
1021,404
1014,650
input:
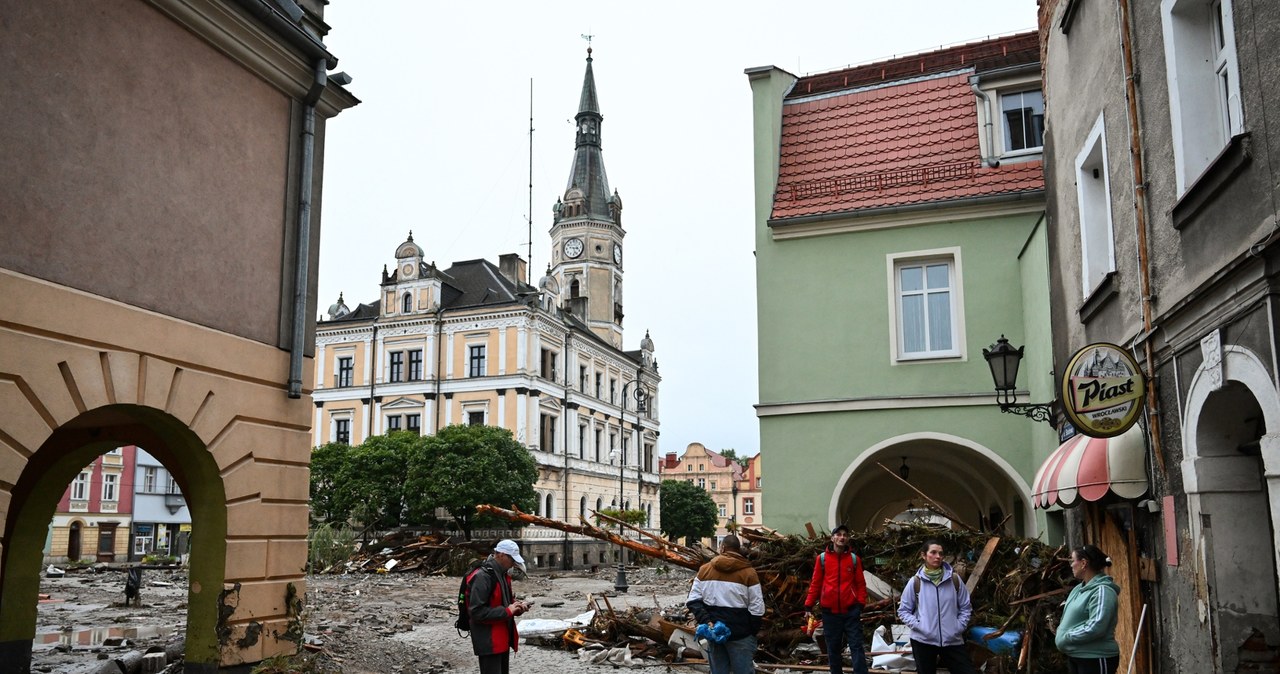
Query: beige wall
x,y
216,141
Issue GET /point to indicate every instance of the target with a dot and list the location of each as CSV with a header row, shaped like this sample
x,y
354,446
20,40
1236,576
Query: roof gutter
x,y
907,208
290,30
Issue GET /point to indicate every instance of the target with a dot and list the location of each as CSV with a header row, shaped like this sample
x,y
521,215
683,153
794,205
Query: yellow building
x,y
477,344
735,488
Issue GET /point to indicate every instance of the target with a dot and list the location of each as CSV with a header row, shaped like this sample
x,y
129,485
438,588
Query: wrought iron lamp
x,y
1003,360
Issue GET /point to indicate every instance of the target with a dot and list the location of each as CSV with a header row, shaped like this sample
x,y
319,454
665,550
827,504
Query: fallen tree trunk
x,y
675,554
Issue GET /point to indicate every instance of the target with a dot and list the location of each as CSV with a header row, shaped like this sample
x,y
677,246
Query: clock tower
x,y
586,230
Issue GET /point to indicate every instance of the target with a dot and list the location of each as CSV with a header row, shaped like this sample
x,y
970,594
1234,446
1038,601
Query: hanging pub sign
x,y
1102,390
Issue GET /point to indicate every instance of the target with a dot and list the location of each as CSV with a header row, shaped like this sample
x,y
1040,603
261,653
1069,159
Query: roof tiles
x,y
895,144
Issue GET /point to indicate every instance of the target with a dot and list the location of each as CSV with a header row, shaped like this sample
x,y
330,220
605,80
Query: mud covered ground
x,y
359,623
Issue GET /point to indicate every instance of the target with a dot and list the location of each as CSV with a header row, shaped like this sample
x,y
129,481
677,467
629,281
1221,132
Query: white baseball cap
x,y
508,547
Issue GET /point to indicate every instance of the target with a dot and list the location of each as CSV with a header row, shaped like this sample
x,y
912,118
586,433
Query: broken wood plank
x,y
983,560
1042,595
943,510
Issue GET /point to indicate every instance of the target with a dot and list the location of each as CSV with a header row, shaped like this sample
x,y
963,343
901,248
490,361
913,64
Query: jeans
x,y
954,658
843,629
498,663
733,657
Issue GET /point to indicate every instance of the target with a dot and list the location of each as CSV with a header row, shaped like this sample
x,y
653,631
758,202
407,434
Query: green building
x,y
899,211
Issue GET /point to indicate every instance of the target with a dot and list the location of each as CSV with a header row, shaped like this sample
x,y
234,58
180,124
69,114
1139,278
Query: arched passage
x,y
1231,473
966,477
59,459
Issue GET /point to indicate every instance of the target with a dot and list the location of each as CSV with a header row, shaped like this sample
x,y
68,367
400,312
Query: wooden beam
x,y
982,563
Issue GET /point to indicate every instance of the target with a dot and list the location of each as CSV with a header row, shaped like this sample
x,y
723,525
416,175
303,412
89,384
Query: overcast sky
x,y
440,146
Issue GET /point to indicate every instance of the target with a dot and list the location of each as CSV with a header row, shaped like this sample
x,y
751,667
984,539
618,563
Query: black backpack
x,y
463,622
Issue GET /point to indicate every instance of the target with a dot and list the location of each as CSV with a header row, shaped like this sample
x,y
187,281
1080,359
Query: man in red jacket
x,y
839,587
493,608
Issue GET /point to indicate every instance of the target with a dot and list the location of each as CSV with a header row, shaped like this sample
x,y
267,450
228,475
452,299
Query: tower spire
x,y
588,186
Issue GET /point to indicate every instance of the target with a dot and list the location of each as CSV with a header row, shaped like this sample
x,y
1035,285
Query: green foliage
x,y
327,545
632,517
732,455
687,510
159,559
463,466
363,483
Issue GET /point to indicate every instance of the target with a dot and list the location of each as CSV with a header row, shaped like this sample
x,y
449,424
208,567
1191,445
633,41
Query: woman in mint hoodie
x,y
1087,632
935,605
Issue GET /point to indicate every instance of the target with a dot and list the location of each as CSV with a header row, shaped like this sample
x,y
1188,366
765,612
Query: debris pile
x,y
1016,585
408,551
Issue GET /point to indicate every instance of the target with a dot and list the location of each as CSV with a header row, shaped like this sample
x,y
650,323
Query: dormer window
x,y
406,305
1022,121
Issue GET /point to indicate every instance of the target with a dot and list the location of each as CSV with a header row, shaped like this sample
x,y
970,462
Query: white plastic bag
x,y
901,642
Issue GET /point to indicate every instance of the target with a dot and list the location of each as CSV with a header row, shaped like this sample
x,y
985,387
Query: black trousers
x,y
1093,665
499,663
954,658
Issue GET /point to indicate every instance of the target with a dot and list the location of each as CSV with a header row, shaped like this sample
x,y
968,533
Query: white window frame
x,y
333,427
748,506
1205,115
150,477
1093,198
895,261
110,487
80,487
723,509
991,112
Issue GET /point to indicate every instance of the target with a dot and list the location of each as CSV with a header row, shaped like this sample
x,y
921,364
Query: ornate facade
x,y
477,344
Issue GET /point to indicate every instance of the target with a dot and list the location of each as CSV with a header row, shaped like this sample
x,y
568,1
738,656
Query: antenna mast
x,y
529,268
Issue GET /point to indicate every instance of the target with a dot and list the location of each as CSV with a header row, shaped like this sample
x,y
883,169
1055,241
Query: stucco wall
x,y
133,168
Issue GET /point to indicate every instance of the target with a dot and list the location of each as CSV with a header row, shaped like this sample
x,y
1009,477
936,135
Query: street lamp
x,y
641,394
1003,360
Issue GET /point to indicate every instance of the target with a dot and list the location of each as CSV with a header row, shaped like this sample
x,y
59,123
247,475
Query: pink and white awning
x,y
1086,468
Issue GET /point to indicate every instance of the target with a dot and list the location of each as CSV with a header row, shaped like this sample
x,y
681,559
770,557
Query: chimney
x,y
514,268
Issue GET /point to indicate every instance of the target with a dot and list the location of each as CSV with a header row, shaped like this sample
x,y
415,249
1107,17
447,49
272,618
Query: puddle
x,y
94,636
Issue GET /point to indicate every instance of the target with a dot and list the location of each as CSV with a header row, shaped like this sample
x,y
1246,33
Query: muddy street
x,y
356,623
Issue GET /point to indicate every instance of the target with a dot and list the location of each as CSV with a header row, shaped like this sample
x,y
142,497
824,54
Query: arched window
x,y
537,507
551,503
407,304
575,288
582,509
599,505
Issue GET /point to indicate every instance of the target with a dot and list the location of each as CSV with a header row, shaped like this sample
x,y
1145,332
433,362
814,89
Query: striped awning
x,y
1086,468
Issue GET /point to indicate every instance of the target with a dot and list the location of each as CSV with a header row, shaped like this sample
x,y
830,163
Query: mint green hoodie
x,y
1089,620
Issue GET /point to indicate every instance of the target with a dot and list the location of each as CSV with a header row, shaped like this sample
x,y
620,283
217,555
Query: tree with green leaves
x,y
463,466
362,483
687,510
732,455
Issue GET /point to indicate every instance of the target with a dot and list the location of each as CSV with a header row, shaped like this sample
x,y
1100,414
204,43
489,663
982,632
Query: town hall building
x,y
476,343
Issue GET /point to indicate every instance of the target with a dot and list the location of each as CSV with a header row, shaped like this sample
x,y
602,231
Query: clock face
x,y
617,253
407,271
573,248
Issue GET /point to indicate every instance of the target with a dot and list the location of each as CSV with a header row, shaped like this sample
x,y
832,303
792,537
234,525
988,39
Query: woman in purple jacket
x,y
935,605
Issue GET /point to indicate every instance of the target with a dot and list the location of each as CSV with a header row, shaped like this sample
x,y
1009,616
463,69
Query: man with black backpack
x,y
491,608
839,587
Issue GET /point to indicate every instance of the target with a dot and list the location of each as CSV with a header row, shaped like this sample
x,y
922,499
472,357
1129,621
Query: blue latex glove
x,y
718,632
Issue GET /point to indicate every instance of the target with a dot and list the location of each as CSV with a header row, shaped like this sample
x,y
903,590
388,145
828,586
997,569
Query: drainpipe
x,y
568,339
303,259
990,159
439,351
374,363
1140,224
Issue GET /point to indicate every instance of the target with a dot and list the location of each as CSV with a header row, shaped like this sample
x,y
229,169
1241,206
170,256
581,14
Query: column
x,y
522,409
502,351
522,350
320,371
429,355
502,408
448,356
429,417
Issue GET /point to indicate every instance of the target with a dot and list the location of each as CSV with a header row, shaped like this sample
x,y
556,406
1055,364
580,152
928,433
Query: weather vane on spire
x,y
588,37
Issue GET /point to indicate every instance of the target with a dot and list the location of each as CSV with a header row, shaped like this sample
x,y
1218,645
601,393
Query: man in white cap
x,y
493,608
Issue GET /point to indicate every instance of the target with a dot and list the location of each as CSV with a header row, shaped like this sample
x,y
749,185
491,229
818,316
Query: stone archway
x,y
963,475
211,406
1231,474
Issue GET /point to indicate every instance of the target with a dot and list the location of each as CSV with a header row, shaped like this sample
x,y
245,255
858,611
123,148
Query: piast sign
x,y
1102,390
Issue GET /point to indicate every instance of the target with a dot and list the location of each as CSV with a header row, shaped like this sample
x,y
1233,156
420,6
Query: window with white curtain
x,y
926,302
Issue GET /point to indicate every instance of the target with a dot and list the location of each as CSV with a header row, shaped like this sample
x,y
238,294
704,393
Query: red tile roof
x,y
911,142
